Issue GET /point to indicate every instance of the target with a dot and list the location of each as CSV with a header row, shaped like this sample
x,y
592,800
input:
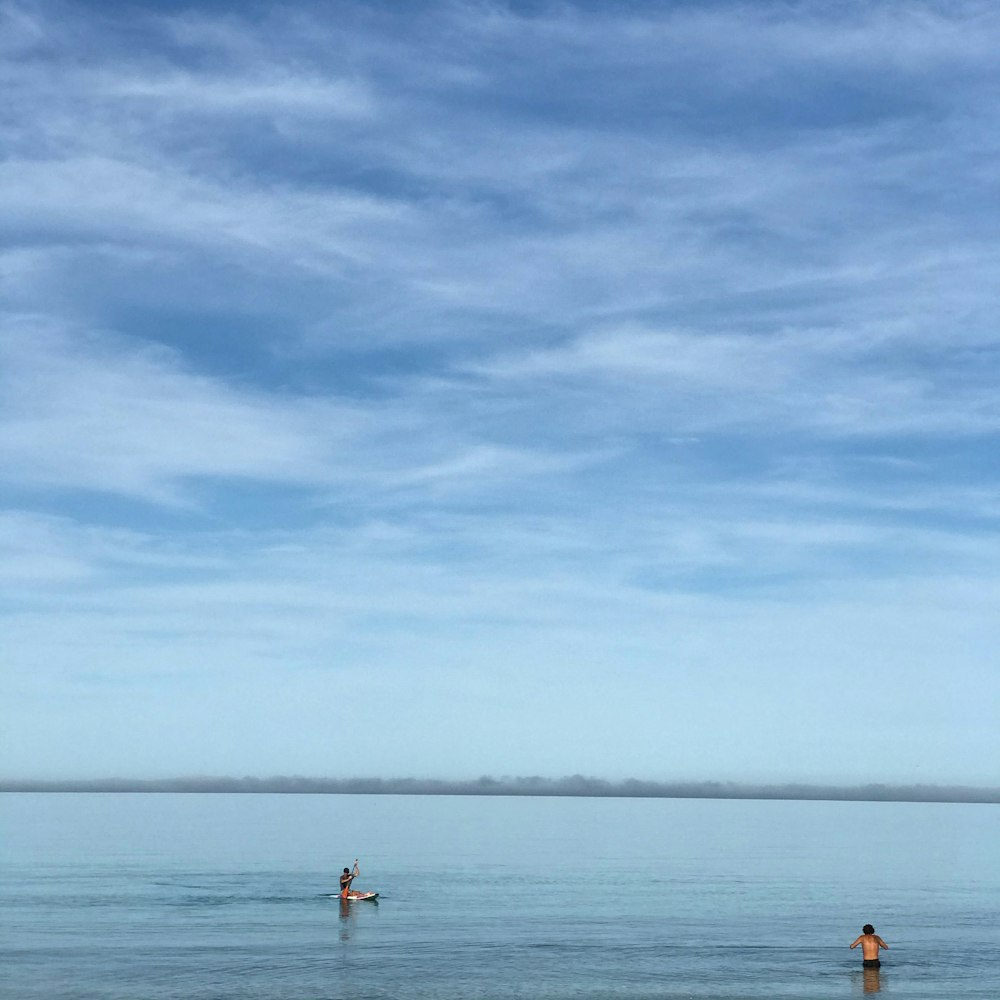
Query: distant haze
x,y
575,785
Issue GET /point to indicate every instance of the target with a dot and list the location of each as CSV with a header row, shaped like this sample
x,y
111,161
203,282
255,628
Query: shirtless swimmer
x,y
870,944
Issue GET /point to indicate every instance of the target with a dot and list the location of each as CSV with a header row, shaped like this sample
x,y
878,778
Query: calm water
x,y
145,897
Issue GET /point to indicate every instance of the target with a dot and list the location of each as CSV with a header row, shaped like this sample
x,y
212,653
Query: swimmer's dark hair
x,y
867,929
347,871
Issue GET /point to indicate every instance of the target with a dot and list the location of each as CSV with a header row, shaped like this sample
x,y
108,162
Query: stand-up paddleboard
x,y
358,897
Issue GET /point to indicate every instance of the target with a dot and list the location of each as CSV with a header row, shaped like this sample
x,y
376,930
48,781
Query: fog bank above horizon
x,y
575,785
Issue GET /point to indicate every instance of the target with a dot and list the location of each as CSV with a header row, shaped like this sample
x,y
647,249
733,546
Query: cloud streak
x,y
135,422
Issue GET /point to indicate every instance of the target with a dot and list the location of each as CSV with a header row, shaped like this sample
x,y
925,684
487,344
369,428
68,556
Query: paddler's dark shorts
x,y
871,963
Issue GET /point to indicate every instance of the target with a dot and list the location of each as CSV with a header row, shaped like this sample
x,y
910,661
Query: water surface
x,y
118,896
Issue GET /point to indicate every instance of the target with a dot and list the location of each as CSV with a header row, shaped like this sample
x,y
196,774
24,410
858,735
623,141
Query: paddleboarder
x,y
348,877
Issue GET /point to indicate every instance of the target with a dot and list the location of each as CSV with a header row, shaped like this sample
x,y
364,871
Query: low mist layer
x,y
575,785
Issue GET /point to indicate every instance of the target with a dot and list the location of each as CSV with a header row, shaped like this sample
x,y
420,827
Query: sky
x,y
447,389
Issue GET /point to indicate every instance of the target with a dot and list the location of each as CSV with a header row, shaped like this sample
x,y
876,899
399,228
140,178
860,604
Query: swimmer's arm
x,y
881,943
858,941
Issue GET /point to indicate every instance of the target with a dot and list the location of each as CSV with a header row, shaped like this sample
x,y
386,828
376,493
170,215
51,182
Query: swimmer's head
x,y
867,929
347,871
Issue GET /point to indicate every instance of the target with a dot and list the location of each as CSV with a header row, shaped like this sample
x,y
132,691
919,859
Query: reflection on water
x,y
345,920
349,914
871,980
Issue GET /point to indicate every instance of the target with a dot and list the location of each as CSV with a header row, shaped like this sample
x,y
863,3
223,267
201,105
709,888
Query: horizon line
x,y
575,786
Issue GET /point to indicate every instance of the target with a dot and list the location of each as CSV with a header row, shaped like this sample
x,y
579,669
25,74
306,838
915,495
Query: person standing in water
x,y
348,877
870,944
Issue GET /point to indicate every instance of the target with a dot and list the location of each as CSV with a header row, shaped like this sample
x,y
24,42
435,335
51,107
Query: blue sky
x,y
445,389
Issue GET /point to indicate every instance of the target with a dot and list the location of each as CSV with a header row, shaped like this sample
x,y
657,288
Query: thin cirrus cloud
x,y
831,381
186,94
96,201
832,208
135,423
107,415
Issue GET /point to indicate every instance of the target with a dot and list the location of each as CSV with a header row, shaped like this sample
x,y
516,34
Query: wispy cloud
x,y
134,422
190,94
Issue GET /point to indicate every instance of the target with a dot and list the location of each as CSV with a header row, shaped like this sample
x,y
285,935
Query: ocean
x,y
155,896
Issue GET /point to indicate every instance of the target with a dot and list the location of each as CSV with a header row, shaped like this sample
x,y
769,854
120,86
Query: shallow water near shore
x,y
147,897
